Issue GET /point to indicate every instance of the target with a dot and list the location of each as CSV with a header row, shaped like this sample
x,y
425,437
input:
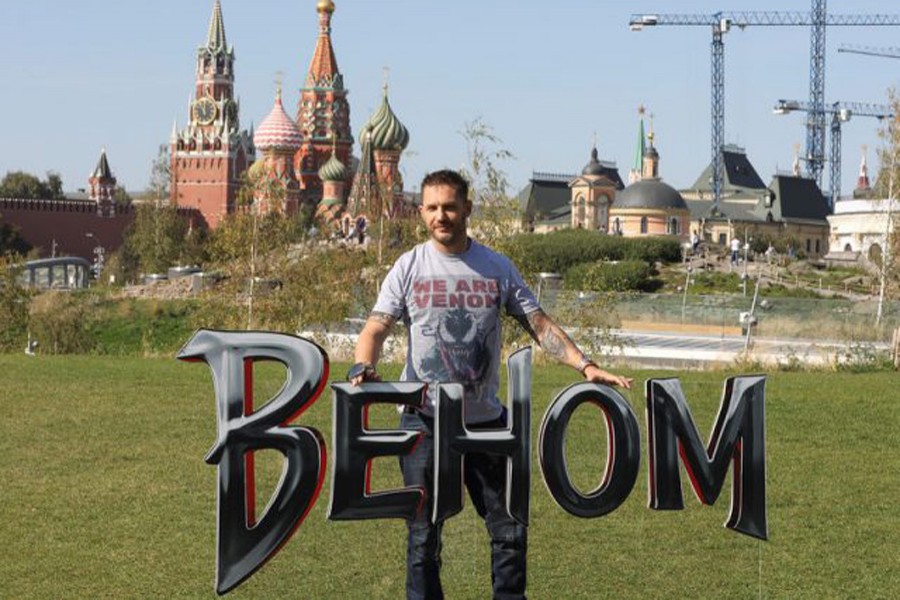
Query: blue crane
x,y
722,22
840,112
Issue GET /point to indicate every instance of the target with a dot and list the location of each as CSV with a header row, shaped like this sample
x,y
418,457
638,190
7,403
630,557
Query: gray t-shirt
x,y
450,304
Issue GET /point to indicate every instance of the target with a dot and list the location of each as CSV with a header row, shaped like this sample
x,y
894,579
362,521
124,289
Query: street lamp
x,y
99,252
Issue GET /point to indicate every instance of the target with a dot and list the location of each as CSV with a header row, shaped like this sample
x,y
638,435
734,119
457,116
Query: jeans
x,y
485,478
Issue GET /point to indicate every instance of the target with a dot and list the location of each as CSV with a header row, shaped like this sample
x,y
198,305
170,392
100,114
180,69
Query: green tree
x,y
155,240
122,197
19,184
11,240
14,300
887,185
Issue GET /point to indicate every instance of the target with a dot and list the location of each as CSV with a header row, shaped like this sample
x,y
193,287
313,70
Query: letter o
x,y
624,450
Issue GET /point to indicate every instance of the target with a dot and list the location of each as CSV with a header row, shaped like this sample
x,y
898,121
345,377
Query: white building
x,y
858,229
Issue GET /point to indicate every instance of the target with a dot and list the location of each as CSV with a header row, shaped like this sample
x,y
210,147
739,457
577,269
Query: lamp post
x,y
99,252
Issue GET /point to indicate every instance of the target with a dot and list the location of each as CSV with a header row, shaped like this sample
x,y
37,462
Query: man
x,y
735,250
449,292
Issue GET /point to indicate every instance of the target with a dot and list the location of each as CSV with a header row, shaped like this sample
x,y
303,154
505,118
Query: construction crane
x,y
871,51
840,112
721,23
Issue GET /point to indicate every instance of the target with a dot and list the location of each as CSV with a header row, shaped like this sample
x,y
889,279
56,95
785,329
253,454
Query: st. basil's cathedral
x,y
306,161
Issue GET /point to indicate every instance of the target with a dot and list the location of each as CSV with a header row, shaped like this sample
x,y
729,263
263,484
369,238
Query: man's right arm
x,y
371,339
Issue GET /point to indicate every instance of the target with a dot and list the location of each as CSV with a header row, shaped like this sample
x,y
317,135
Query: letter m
x,y
738,437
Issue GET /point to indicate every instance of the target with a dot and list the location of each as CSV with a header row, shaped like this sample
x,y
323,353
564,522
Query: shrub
x,y
13,306
61,322
624,276
561,250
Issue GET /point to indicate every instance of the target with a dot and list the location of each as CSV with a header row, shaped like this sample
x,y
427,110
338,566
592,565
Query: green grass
x,y
106,495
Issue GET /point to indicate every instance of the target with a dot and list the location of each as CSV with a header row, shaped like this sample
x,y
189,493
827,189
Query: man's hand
x,y
367,375
595,374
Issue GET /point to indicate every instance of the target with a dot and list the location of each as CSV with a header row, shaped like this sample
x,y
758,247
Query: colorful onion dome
x,y
388,133
333,169
278,130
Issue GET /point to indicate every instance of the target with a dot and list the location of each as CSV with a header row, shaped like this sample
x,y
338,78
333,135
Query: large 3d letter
x,y
623,459
738,435
452,441
244,544
355,446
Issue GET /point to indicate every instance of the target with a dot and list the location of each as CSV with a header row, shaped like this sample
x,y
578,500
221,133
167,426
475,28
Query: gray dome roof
x,y
593,167
649,193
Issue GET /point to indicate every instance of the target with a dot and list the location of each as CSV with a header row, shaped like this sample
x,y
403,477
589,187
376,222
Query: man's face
x,y
445,217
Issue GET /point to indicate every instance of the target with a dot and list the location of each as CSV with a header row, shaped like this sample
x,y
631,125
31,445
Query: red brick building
x,y
209,156
323,113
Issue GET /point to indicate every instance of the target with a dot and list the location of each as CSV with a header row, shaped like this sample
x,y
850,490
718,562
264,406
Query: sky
x,y
549,77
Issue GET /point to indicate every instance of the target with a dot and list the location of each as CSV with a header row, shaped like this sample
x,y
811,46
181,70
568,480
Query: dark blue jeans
x,y
485,478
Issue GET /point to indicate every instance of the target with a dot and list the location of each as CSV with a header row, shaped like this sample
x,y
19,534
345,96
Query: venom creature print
x,y
460,352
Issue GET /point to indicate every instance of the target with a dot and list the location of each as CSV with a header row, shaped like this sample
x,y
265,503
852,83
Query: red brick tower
x,y
103,187
323,113
209,156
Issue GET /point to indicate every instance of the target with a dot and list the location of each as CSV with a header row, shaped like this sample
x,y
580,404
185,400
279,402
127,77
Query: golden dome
x,y
326,6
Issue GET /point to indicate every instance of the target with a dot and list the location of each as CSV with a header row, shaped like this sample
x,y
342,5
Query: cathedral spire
x,y
323,69
215,39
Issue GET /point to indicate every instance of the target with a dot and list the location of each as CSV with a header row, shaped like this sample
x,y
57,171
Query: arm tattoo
x,y
545,333
383,318
554,344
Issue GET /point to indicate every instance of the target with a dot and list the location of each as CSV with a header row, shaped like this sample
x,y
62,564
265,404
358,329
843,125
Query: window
x,y
673,226
808,245
617,225
643,224
817,246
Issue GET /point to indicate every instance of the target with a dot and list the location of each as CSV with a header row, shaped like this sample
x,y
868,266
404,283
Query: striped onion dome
x,y
277,130
388,133
333,169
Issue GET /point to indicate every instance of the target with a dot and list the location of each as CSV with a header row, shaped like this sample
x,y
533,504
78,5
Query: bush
x,y
624,276
61,322
13,306
561,250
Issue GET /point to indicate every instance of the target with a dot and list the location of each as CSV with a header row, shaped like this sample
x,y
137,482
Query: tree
x,y
11,241
121,197
495,215
19,184
886,186
14,300
155,240
161,173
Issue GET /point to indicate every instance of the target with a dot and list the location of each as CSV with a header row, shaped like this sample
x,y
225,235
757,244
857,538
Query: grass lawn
x,y
105,495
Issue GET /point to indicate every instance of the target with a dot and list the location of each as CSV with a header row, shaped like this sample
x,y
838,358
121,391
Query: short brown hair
x,y
451,179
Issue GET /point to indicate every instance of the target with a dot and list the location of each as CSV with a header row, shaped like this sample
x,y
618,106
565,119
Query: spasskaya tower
x,y
209,156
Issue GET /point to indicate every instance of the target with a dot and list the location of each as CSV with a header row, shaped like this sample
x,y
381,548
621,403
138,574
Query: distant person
x,y
735,250
695,242
361,229
770,253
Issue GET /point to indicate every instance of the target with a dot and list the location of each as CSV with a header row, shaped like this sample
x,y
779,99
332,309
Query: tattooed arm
x,y
371,339
555,342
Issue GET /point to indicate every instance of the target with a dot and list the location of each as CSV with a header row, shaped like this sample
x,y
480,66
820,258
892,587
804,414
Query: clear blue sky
x,y
79,75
